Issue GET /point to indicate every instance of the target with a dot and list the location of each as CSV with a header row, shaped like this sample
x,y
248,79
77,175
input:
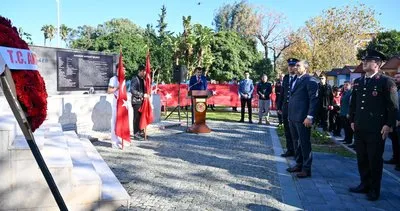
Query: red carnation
x,y
29,85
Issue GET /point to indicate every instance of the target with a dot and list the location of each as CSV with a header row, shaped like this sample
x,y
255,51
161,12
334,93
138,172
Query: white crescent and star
x,y
168,96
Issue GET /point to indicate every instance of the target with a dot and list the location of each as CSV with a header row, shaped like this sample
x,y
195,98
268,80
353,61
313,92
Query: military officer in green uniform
x,y
373,110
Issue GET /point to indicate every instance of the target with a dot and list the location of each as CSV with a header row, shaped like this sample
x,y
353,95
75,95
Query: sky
x,y
32,15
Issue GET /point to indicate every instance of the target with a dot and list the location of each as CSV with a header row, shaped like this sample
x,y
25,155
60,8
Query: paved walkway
x,y
236,167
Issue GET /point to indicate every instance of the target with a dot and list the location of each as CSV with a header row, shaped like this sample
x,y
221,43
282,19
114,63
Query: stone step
x,y
8,131
86,182
113,194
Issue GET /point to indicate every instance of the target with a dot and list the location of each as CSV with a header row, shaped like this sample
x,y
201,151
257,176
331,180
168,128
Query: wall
x,y
88,112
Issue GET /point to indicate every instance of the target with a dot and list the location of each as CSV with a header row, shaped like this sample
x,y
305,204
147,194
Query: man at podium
x,y
197,82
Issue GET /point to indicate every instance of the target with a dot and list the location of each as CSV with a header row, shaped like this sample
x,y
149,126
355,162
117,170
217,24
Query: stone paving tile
x,y
236,167
231,168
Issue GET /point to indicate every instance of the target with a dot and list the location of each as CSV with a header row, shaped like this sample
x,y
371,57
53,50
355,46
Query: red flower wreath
x,y
29,85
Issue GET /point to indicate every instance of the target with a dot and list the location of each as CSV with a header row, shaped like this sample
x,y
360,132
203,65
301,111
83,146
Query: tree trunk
x,y
200,58
44,41
265,51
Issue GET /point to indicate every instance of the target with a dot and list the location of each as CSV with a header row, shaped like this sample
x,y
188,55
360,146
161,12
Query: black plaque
x,y
80,71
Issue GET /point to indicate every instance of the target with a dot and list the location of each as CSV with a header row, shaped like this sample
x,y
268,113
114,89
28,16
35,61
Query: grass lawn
x,y
220,114
320,143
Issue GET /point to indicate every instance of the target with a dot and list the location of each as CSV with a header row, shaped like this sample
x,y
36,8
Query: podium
x,y
199,106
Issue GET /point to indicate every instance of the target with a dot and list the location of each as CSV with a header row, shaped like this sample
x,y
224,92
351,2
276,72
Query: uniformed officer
x,y
283,102
373,109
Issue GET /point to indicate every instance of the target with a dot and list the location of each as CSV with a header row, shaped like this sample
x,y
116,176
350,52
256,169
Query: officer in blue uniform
x,y
373,110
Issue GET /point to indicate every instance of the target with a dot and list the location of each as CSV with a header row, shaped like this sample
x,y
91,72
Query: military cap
x,y
371,54
292,61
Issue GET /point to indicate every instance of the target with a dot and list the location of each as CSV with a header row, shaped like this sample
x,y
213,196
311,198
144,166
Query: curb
x,y
290,196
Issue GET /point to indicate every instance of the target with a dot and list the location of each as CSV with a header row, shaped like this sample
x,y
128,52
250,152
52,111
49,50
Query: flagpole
x,y
58,23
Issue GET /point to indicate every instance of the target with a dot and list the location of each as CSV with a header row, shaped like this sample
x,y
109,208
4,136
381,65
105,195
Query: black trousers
x,y
289,141
136,118
348,132
334,122
302,143
395,145
369,148
243,103
323,118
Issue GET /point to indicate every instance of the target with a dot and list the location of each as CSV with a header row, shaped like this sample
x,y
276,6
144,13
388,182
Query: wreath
x,y
29,85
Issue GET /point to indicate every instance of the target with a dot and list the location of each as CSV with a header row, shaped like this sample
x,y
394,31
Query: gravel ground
x,y
231,168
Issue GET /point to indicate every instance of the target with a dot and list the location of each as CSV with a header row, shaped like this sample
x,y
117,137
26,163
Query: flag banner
x,y
122,121
222,95
146,109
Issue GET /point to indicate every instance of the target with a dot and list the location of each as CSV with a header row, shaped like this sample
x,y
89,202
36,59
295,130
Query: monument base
x,y
199,128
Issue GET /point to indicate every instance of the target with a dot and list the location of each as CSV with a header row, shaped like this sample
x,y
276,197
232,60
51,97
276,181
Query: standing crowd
x,y
367,110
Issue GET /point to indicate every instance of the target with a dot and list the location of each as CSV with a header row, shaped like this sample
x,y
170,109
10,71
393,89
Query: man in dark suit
x,y
373,108
301,111
197,82
283,102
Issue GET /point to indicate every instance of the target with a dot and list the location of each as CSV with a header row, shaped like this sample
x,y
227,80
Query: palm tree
x,y
45,30
204,37
64,32
51,32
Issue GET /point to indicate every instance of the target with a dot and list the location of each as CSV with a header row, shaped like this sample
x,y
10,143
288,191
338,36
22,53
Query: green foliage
x,y
64,32
233,55
113,36
48,32
387,42
25,36
264,66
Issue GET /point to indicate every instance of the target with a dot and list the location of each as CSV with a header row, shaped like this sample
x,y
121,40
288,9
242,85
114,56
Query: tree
x,y
162,24
64,32
387,42
233,54
203,36
299,49
265,26
334,36
25,36
187,44
272,35
239,16
45,30
51,31
112,36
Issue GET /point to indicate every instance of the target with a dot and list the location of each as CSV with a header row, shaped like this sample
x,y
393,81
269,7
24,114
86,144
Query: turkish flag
x,y
122,121
147,112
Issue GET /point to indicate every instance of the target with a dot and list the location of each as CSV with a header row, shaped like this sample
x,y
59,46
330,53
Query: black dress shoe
x,y
303,174
294,169
287,154
250,122
241,120
359,189
391,161
372,195
353,146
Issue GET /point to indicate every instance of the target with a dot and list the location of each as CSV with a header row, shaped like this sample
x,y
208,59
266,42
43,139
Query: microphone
x,y
194,84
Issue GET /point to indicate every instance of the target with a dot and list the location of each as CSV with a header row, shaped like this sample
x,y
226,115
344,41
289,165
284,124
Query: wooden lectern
x,y
199,106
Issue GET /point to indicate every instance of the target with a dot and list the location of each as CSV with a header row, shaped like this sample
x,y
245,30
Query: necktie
x,y
367,80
